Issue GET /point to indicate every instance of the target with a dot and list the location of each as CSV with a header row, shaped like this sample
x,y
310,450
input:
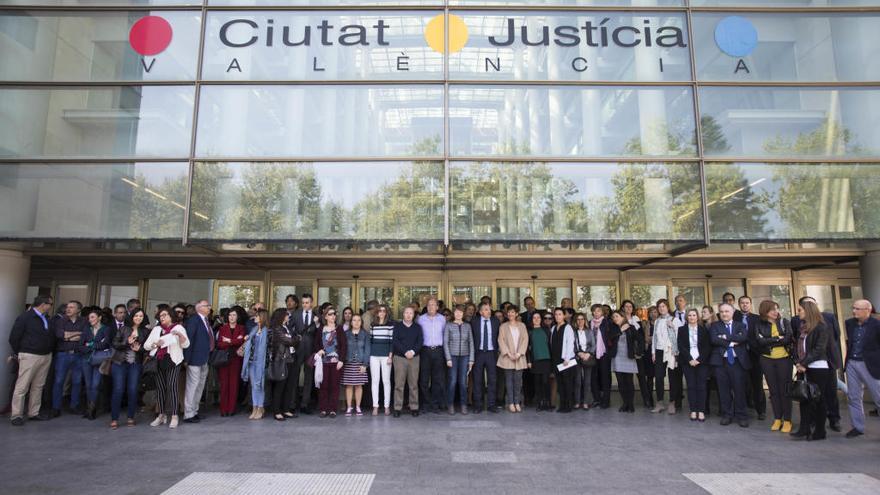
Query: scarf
x,y
596,325
163,351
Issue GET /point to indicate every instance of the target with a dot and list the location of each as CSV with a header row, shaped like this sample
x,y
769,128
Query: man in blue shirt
x,y
432,368
862,363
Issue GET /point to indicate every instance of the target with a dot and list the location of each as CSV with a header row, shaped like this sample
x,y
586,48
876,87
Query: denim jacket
x,y
255,346
358,349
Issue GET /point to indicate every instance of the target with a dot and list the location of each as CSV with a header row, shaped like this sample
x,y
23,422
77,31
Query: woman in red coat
x,y
231,336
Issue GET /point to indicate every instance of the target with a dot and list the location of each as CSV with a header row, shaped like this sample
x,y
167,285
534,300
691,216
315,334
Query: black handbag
x,y
803,391
151,366
277,370
98,357
219,358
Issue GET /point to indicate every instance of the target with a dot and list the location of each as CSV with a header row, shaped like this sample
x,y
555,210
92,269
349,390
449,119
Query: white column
x,y
869,268
14,270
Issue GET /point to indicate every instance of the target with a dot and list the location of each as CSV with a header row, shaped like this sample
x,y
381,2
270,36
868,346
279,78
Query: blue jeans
x,y
457,375
126,378
92,376
258,392
65,362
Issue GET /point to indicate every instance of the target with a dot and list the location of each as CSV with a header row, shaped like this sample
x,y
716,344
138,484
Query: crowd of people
x,y
301,358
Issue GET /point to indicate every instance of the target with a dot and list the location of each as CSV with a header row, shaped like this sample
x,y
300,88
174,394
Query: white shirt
x,y
693,336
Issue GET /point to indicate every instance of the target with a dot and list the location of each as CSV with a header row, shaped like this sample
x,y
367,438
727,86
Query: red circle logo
x,y
150,35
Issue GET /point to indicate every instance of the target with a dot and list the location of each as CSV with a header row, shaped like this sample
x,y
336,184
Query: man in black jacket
x,y
835,361
484,328
302,322
730,362
862,363
755,377
33,342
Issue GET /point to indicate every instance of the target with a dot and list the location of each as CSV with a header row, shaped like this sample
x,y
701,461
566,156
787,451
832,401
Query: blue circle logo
x,y
736,36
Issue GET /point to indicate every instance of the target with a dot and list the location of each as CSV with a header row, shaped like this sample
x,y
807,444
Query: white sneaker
x,y
173,423
160,420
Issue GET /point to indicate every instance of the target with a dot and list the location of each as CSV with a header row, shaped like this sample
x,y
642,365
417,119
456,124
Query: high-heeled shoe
x,y
160,420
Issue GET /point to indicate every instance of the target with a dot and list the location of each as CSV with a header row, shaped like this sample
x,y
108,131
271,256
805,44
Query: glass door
x,y
336,292
414,292
228,293
282,288
513,291
719,287
550,294
381,291
694,292
590,292
779,291
463,293
645,294
109,295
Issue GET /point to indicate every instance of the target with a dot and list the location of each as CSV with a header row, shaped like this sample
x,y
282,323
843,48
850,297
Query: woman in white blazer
x,y
166,344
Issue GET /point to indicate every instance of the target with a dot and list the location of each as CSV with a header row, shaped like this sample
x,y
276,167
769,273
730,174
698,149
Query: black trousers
x,y
302,399
542,388
675,384
646,380
829,394
778,373
756,385
732,387
626,388
601,381
814,413
282,391
432,377
484,361
697,381
565,388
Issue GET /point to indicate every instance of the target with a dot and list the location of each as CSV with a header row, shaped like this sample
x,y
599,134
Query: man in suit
x,y
485,333
526,316
304,325
730,362
835,361
32,342
755,377
291,302
201,344
679,316
862,363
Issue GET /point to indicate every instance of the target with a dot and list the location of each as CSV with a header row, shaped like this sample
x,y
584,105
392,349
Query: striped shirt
x,y
380,338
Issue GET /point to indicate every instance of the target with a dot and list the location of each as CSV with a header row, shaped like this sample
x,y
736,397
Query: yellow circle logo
x,y
458,33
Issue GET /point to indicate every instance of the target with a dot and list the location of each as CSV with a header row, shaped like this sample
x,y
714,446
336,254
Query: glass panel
x,y
790,122
359,46
108,201
514,293
719,289
97,3
848,295
463,294
779,293
134,121
95,46
554,46
793,201
789,47
575,201
354,3
173,291
66,293
111,295
267,121
244,295
596,3
551,296
384,294
414,293
644,296
695,295
571,121
824,296
391,201
782,3
338,296
588,295
281,290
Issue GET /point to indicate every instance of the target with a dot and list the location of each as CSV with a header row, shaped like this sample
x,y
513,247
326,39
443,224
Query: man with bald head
x,y
862,363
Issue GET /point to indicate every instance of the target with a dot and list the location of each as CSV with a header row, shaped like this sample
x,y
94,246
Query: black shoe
x,y
799,434
595,404
726,421
835,426
193,419
761,416
477,410
92,412
18,421
56,413
815,436
415,413
199,417
39,417
623,409
854,433
494,409
306,411
396,413
874,413
744,423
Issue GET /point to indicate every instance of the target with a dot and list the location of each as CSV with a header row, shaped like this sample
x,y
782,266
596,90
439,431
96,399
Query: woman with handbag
x,y
127,357
230,338
645,376
538,355
166,344
354,373
95,346
694,350
254,358
330,348
585,353
812,364
627,345
280,372
665,345
772,339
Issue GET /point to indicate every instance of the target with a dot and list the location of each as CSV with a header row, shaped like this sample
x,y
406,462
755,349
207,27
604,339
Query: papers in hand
x,y
563,367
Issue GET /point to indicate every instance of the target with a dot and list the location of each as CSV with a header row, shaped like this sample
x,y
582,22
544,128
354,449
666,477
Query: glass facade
x,y
455,122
